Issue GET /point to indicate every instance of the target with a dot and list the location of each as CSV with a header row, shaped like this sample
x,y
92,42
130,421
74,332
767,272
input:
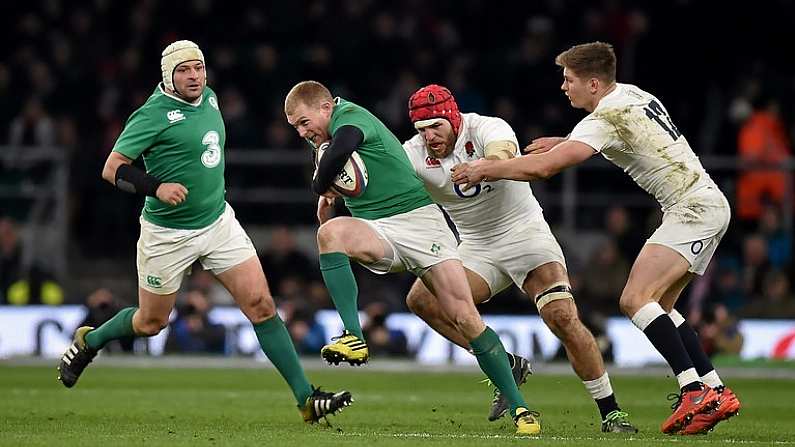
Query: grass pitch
x,y
162,406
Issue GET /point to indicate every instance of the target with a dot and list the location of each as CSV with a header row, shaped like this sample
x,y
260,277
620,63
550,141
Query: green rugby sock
x,y
119,326
490,353
276,343
341,284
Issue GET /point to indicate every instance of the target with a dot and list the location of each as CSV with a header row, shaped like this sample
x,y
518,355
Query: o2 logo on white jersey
x,y
212,155
471,192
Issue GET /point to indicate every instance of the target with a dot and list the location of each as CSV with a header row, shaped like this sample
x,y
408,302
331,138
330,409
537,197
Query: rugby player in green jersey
x,y
395,226
180,134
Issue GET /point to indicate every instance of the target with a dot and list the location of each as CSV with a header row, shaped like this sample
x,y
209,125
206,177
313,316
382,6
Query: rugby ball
x,y
352,180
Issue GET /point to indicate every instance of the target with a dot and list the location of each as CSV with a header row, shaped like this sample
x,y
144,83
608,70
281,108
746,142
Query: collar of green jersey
x,y
177,98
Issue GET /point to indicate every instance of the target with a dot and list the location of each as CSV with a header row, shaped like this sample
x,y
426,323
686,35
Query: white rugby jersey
x,y
632,129
485,210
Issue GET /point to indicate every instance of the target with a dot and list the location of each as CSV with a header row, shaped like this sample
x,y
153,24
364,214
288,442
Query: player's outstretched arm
x,y
524,168
542,144
120,172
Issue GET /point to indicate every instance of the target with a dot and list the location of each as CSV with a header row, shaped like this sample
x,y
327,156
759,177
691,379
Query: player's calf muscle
x,y
420,303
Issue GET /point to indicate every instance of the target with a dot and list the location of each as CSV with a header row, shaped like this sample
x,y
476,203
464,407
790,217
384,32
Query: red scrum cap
x,y
433,102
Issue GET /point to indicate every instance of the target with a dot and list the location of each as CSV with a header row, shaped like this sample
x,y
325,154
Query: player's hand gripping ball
x,y
352,179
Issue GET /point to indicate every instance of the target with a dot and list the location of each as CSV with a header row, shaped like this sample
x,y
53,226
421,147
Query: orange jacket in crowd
x,y
762,142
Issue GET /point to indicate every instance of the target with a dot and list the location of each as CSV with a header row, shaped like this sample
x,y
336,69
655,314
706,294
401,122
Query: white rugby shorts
x,y
165,255
694,227
419,239
508,258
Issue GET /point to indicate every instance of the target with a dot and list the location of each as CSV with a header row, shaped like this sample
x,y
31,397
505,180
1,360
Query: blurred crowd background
x,y
72,72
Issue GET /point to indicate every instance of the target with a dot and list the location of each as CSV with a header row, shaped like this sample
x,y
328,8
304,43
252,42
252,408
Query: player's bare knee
x,y
149,327
561,320
469,325
630,303
259,308
329,236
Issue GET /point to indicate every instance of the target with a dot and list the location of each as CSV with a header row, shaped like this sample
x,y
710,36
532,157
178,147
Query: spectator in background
x,y
192,331
628,239
603,279
755,265
318,296
32,127
284,262
380,339
10,256
779,241
215,292
101,306
777,300
728,288
719,333
762,144
277,134
239,126
307,334
35,286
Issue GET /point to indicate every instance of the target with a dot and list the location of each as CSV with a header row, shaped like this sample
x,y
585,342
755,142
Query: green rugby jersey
x,y
393,186
180,143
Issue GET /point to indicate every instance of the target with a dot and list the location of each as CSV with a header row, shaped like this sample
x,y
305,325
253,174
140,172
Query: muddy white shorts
x,y
508,258
694,228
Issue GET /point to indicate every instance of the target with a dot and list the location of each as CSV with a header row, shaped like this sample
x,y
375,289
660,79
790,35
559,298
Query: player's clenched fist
x,y
172,193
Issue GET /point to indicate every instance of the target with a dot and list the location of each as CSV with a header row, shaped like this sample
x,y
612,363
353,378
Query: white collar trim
x,y
177,98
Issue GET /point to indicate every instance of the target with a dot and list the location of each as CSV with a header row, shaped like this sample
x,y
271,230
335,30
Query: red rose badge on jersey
x,y
470,149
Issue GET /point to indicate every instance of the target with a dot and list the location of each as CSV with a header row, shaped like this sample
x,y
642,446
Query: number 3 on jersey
x,y
212,154
471,192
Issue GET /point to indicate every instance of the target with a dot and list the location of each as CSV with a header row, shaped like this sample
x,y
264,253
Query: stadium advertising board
x,y
45,331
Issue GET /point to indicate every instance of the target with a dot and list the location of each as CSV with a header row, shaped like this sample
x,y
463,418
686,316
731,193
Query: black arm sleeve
x,y
344,143
131,179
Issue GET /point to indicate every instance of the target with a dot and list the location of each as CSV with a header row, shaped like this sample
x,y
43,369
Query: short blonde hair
x,y
311,93
590,60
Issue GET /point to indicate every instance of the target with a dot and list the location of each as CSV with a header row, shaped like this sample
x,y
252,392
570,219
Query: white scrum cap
x,y
175,54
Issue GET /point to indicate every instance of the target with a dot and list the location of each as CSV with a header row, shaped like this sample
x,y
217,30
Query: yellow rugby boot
x,y
527,422
346,348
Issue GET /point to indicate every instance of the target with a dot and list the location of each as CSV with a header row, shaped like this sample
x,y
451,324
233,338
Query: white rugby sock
x,y
687,377
646,314
676,317
712,379
599,388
